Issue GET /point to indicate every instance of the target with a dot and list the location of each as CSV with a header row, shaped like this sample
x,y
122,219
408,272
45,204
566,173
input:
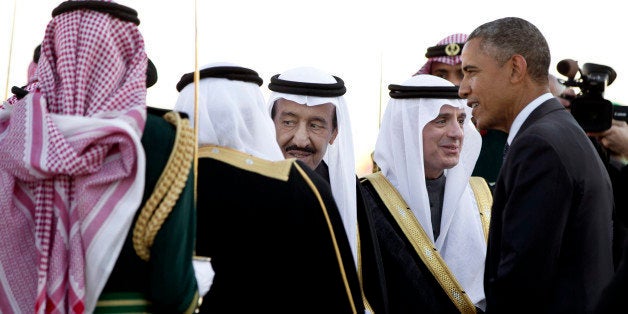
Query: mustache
x,y
306,149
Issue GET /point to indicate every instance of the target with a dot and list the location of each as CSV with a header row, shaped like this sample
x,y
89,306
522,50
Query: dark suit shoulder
x,y
551,121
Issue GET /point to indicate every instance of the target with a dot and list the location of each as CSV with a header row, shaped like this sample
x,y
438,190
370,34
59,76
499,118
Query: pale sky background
x,y
369,44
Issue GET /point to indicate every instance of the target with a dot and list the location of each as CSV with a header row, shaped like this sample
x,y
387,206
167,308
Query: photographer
x,y
560,91
605,124
614,142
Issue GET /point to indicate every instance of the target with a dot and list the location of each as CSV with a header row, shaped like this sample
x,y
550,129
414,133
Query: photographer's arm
x,y
615,140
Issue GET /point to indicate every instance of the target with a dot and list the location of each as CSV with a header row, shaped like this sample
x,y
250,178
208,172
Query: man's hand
x,y
615,140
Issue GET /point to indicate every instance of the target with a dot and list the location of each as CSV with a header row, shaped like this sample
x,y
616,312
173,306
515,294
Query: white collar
x,y
524,114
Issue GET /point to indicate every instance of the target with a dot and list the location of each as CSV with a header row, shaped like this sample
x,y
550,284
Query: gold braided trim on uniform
x,y
195,305
484,198
168,187
120,303
343,273
131,302
421,242
279,170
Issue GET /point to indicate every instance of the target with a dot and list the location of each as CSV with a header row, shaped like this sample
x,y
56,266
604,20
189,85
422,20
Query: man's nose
x,y
463,89
455,130
301,136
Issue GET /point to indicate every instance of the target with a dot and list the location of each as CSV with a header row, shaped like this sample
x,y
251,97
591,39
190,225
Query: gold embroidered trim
x,y
195,305
333,235
118,303
168,187
279,170
484,198
421,242
367,305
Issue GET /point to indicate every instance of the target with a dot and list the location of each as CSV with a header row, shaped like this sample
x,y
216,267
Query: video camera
x,y
589,108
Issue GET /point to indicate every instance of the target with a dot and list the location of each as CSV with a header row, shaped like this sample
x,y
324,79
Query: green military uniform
x,y
165,281
491,155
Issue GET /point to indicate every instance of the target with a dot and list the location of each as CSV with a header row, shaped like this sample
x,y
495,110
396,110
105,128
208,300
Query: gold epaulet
x,y
168,188
279,170
484,198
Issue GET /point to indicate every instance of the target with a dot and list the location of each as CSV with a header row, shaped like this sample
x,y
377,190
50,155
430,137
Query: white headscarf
x,y
231,114
339,157
399,154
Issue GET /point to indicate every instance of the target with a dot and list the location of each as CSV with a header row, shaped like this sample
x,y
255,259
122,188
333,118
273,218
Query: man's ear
x,y
519,68
333,136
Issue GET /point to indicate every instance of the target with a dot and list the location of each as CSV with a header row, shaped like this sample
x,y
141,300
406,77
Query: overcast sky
x,y
369,44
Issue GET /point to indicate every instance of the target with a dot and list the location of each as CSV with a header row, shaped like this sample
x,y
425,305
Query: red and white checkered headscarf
x,y
71,165
451,60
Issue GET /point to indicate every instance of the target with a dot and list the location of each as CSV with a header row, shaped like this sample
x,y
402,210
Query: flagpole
x,y
381,81
196,95
6,87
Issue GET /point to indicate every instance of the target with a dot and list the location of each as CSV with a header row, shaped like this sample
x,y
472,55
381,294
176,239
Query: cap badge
x,y
452,49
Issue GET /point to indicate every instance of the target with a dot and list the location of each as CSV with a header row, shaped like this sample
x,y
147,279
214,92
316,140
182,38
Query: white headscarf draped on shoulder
x,y
72,164
339,157
399,154
231,110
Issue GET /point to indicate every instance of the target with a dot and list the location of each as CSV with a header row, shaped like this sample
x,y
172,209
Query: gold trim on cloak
x,y
279,170
484,198
420,242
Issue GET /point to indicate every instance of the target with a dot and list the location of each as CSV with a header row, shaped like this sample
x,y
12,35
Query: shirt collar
x,y
523,115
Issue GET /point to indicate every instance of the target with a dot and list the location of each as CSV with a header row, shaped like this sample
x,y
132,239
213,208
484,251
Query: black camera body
x,y
589,108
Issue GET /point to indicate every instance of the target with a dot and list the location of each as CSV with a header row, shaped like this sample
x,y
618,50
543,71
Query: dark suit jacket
x,y
275,238
549,247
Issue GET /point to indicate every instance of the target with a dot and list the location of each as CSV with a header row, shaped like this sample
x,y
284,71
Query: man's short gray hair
x,y
505,37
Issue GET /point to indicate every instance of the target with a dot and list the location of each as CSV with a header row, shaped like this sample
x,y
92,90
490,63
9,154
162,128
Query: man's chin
x,y
452,162
481,126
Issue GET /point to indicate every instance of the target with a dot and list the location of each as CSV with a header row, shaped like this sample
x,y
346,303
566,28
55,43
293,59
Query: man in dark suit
x,y
549,247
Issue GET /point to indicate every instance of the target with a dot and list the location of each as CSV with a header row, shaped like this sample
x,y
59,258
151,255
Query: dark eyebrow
x,y
287,113
293,114
443,116
469,67
447,115
319,119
